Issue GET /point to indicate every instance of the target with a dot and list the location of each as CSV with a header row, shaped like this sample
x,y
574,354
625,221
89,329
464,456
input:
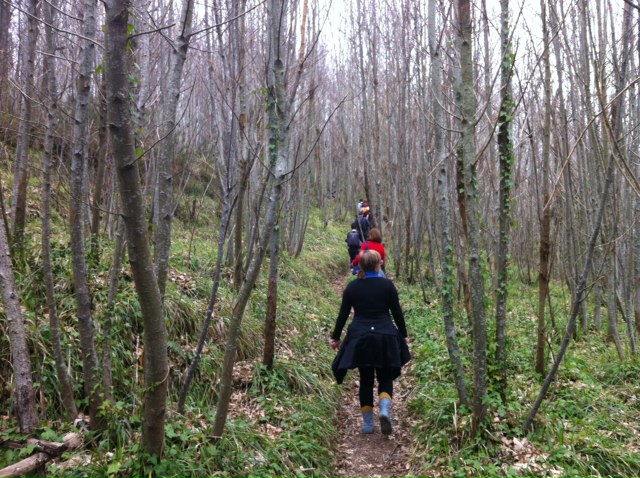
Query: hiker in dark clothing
x,y
362,225
353,244
373,344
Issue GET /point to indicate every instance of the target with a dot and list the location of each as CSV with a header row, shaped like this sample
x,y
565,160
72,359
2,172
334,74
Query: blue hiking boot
x,y
367,422
385,416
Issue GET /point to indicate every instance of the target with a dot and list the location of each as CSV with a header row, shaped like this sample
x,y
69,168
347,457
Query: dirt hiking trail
x,y
373,455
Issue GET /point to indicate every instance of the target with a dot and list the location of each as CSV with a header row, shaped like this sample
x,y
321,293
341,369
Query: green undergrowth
x,y
281,421
587,425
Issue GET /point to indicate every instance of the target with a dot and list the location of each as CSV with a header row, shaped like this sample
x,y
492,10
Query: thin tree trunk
x,y
114,275
156,368
92,382
164,185
613,335
545,225
5,54
505,150
445,210
96,209
66,388
581,291
21,167
24,397
468,104
272,302
277,129
243,164
213,297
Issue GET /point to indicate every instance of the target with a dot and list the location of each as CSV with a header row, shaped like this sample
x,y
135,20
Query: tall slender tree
x,y
468,105
77,208
24,396
21,165
545,220
505,152
156,368
51,94
277,128
164,184
444,192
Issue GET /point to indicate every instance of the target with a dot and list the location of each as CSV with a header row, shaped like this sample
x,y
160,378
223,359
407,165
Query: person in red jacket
x,y
374,243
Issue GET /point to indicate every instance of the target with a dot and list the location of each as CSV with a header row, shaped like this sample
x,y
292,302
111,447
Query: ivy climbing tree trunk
x,y
277,128
468,106
444,192
156,367
505,154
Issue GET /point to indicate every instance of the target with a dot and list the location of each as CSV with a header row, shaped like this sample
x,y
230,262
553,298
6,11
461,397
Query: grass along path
x,y
360,455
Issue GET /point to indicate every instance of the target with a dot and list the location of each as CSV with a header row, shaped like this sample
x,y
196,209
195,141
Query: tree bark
x,y
47,451
5,50
120,127
505,151
545,225
224,225
445,210
23,394
244,167
91,372
468,105
66,388
21,167
277,127
272,301
164,185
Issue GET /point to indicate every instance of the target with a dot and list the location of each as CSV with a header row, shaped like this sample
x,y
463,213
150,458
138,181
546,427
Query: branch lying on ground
x,y
46,451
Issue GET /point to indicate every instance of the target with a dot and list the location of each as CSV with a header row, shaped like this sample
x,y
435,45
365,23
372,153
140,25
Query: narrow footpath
x,y
374,455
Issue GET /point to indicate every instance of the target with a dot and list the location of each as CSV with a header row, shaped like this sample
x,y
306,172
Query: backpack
x,y
353,239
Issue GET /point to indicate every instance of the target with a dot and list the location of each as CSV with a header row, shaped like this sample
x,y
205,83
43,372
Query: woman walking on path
x,y
373,344
374,243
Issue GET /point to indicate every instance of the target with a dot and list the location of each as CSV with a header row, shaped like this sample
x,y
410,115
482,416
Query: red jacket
x,y
375,246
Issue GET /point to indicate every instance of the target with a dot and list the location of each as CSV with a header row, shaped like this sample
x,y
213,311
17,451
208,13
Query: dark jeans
x,y
353,252
367,375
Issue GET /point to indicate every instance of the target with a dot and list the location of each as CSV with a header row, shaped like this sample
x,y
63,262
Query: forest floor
x,y
360,455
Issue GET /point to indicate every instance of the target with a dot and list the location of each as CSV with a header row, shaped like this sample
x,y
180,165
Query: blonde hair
x,y
369,262
375,235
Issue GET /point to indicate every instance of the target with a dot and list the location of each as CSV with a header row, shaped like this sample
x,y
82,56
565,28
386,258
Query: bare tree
x,y
277,127
545,224
121,131
505,150
467,104
164,185
445,208
5,47
23,394
91,370
612,126
21,169
66,388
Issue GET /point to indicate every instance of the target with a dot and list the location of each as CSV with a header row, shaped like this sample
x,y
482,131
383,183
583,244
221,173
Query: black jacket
x,y
372,339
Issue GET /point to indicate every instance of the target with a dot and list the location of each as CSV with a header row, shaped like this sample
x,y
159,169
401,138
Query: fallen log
x,y
46,451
